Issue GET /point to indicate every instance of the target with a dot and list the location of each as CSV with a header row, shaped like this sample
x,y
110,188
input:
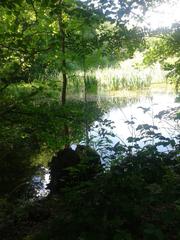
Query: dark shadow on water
x,y
16,168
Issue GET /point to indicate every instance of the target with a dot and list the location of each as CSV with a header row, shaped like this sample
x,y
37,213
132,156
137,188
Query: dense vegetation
x,y
138,198
165,48
55,57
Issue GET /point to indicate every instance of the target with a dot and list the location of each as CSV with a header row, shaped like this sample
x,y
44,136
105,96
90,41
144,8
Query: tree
x,y
31,29
165,48
24,39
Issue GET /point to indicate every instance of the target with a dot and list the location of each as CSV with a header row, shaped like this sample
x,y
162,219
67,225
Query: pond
x,y
122,113
151,108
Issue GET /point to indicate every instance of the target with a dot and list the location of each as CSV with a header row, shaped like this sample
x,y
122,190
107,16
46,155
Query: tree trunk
x,y
63,52
86,103
63,67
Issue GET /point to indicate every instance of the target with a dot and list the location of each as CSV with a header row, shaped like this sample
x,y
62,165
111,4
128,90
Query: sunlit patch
x,y
163,16
142,112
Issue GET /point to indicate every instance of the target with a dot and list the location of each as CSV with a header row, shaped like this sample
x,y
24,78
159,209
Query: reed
x,y
125,76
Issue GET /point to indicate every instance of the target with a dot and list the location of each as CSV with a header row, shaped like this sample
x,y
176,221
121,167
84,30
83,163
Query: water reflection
x,y
143,109
143,112
26,149
40,181
16,168
140,107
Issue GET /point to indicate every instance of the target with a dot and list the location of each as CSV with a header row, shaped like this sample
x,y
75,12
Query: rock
x,y
70,167
90,159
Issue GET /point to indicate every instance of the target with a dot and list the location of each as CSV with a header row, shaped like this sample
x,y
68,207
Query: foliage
x,y
32,122
138,197
30,38
165,49
130,74
24,37
126,76
70,167
135,197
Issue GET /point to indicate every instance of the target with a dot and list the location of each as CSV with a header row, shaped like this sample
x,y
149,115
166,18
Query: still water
x,y
124,108
124,111
144,110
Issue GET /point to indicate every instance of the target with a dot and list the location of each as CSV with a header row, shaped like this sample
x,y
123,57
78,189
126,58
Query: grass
x,y
128,75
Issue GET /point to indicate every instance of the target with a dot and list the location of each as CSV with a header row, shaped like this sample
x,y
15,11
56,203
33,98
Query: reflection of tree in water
x,y
108,100
16,167
114,101
34,129
67,160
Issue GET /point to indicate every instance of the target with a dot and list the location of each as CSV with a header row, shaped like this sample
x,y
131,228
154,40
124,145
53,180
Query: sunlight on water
x,y
40,182
143,111
153,106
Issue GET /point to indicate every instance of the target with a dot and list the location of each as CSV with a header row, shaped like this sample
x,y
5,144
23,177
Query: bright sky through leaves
x,y
163,16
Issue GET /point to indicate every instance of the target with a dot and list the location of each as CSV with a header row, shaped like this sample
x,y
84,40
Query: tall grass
x,y
128,75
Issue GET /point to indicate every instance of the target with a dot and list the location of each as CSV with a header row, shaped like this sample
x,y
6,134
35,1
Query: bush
x,y
138,198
